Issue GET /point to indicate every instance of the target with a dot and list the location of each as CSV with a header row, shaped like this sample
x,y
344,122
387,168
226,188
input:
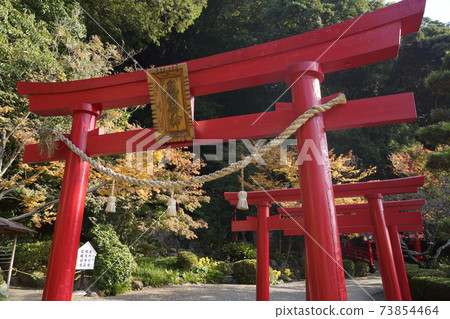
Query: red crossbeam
x,y
386,187
372,37
357,113
352,218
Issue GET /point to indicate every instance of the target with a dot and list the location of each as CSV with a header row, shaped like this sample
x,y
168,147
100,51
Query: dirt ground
x,y
360,289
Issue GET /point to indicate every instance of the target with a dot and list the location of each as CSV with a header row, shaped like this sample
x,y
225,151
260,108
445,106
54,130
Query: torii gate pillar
x,y
325,280
385,253
263,253
66,236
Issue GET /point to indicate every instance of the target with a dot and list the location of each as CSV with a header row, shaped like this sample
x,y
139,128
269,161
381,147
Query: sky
x,y
437,10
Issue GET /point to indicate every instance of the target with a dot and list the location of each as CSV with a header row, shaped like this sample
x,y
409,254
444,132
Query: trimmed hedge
x,y
349,267
245,271
361,269
414,271
430,288
187,260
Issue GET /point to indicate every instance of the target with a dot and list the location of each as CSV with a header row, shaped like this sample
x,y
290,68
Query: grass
x,y
158,272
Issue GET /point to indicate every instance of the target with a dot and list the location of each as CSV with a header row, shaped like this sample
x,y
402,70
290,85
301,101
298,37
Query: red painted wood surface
x,y
66,236
386,187
386,261
351,218
381,110
399,262
373,37
322,248
363,254
263,253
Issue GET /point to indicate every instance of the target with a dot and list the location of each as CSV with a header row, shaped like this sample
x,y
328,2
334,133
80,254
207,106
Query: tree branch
x,y
53,202
440,249
409,252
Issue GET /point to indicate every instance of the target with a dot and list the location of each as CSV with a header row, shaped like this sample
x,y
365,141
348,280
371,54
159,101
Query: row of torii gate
x,y
384,219
301,62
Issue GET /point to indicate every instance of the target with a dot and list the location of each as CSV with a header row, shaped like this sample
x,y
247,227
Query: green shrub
x,y
361,269
38,279
215,276
413,270
32,256
144,249
114,262
2,280
224,267
245,271
430,288
235,251
349,267
187,260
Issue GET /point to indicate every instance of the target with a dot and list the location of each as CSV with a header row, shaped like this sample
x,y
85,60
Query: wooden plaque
x,y
171,102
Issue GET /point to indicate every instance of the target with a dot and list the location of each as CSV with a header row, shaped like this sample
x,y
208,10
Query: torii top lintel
x,y
370,38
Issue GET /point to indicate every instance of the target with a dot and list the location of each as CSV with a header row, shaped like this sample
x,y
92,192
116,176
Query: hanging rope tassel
x,y
171,207
111,206
242,195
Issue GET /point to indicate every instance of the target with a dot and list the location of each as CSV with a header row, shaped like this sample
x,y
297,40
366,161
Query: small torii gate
x,y
301,61
385,221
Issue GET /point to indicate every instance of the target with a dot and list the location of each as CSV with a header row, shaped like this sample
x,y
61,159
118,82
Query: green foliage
x,y
234,251
439,81
430,288
439,160
413,271
38,279
2,280
151,274
152,19
274,275
121,288
154,276
224,266
215,276
114,262
144,249
435,134
32,256
349,267
245,271
187,260
361,269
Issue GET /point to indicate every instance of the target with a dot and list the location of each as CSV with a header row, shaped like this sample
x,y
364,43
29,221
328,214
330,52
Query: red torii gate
x,y
352,218
400,216
386,230
370,38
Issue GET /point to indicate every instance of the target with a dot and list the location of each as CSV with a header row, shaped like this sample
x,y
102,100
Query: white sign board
x,y
86,257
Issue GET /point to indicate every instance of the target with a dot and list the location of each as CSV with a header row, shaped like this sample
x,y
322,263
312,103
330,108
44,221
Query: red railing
x,y
359,254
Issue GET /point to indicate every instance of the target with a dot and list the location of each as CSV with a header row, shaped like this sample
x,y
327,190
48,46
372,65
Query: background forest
x,y
61,40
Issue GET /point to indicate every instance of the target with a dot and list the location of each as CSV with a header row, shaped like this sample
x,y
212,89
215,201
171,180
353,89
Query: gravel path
x,y
294,291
